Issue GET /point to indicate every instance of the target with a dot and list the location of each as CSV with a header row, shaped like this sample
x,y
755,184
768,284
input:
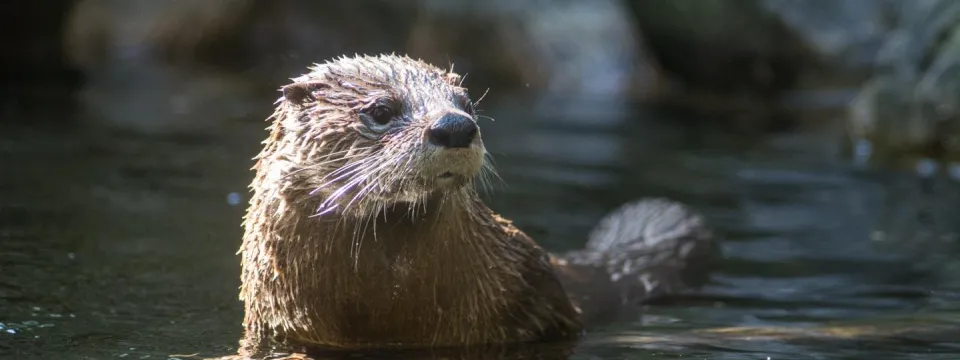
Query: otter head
x,y
372,132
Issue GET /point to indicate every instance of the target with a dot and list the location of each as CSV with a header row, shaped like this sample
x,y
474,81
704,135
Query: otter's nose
x,y
453,131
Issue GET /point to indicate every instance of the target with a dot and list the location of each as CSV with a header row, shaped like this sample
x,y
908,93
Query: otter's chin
x,y
454,168
450,180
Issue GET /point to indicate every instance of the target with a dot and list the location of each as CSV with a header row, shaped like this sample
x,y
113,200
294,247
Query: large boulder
x,y
762,47
741,63
842,33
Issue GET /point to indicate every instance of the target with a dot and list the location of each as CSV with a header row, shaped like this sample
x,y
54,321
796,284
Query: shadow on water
x,y
116,245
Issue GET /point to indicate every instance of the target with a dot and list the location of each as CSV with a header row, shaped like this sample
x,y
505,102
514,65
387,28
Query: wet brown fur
x,y
396,260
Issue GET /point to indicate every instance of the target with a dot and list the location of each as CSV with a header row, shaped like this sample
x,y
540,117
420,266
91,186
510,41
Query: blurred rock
x,y
185,65
547,44
562,47
722,46
99,30
255,37
912,104
759,47
845,33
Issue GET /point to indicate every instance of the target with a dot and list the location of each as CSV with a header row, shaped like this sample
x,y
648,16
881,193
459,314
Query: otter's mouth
x,y
449,179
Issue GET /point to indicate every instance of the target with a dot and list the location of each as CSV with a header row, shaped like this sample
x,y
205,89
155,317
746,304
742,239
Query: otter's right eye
x,y
378,117
381,115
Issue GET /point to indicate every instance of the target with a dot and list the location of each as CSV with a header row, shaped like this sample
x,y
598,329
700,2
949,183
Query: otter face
x,y
381,130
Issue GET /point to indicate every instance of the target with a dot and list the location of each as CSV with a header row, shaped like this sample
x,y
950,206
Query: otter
x,y
365,229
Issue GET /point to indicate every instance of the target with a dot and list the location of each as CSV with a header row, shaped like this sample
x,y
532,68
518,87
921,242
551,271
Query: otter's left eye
x,y
378,117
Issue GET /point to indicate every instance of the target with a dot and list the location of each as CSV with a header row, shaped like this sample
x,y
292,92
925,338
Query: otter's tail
x,y
655,246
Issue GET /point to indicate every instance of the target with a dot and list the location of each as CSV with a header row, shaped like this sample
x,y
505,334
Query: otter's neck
x,y
431,266
441,229
446,239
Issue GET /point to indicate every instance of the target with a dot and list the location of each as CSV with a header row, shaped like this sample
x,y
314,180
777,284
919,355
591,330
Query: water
x,y
122,246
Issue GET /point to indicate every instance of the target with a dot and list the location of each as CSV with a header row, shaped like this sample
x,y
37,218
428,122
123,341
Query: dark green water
x,y
123,246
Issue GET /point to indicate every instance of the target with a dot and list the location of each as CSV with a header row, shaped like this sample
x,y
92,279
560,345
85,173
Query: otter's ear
x,y
298,93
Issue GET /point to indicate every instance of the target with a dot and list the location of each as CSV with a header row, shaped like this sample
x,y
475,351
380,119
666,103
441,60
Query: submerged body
x,y
365,229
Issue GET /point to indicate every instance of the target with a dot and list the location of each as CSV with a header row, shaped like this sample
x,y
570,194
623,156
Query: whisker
x,y
325,205
485,117
320,166
366,189
344,171
490,165
485,92
339,174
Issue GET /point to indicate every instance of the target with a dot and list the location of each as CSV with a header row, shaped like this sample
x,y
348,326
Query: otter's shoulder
x,y
509,229
542,301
